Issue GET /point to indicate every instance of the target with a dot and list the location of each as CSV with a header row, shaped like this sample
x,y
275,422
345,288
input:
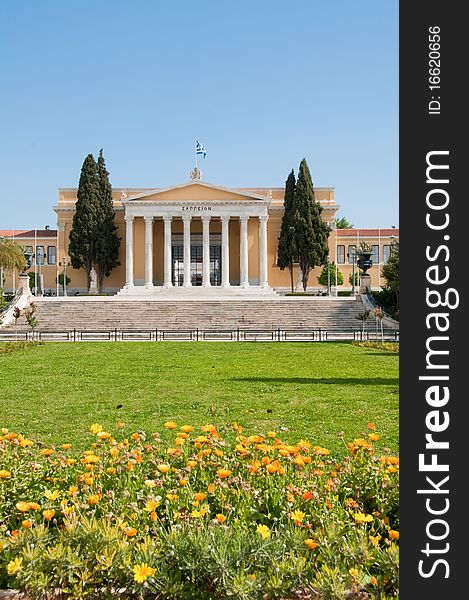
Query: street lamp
x,y
65,275
352,255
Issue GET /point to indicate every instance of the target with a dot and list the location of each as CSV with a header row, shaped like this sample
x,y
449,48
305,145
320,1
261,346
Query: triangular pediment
x,y
195,191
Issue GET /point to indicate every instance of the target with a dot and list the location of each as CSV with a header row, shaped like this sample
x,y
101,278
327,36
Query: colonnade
x,y
225,249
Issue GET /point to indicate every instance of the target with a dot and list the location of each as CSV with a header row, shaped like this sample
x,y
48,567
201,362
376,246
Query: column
x,y
225,252
148,252
244,276
167,252
263,251
129,251
206,251
186,219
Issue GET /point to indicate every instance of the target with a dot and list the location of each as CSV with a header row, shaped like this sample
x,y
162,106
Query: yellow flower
x,y
104,435
312,544
130,531
151,505
353,572
198,513
52,495
48,514
14,565
96,428
4,474
220,518
374,539
170,425
66,446
394,535
186,428
93,499
211,488
47,451
163,468
23,506
142,572
252,576
150,483
183,482
191,464
297,516
362,518
374,437
72,490
111,470
263,531
224,473
271,434
321,451
171,497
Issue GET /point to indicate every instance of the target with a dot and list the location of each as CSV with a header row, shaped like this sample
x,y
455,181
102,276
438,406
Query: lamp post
x,y
65,275
353,256
328,275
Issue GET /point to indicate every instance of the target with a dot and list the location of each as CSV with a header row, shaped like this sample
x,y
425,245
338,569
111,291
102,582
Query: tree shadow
x,y
323,380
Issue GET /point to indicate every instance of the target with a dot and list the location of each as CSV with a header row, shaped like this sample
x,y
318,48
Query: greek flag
x,y
199,149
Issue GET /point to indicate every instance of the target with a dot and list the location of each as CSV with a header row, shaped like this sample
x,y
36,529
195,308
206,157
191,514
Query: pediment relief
x,y
195,191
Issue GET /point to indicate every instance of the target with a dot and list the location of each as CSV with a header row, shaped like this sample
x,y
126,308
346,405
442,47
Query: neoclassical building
x,y
192,235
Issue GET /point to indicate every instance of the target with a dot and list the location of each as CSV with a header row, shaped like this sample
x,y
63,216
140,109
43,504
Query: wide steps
x,y
115,313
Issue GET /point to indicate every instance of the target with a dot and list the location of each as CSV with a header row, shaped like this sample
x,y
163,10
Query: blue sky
x,y
261,84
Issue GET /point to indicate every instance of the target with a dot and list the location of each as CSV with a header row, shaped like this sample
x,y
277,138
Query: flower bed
x,y
208,515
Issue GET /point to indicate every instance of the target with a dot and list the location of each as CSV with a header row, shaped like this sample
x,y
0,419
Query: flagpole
x,y
196,155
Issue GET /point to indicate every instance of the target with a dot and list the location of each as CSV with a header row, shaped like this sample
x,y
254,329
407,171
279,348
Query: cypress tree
x,y
107,240
82,237
287,252
311,231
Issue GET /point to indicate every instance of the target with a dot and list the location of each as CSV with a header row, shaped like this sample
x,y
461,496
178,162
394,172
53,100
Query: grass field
x,y
55,391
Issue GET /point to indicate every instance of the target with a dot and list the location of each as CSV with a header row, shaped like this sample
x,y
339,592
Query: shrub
x,y
203,516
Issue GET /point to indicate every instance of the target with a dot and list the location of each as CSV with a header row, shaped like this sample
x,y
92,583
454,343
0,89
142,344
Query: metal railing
x,y
202,335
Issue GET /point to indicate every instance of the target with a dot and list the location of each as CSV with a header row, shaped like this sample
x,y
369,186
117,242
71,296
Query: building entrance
x,y
196,265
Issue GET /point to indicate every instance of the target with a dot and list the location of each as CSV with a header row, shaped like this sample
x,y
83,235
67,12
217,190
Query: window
x,y
386,253
340,255
40,255
351,255
51,255
375,255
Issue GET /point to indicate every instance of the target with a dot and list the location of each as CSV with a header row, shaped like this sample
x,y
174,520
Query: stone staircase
x,y
109,313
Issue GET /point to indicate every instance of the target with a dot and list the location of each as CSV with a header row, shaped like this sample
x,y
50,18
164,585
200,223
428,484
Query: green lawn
x,y
55,391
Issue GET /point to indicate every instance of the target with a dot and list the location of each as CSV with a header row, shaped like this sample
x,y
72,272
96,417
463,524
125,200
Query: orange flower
x,y
307,495
170,425
48,514
211,488
4,474
371,426
93,499
200,496
23,506
220,518
183,482
27,523
66,446
47,451
130,531
374,437
186,428
312,544
224,473
394,535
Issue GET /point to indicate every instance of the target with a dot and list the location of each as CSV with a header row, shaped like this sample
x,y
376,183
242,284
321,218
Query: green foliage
x,y
9,347
342,223
323,278
287,250
386,299
312,232
60,280
11,256
107,240
390,271
356,277
284,520
30,316
82,246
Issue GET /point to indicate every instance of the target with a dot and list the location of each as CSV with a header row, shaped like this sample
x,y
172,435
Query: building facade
x,y
194,235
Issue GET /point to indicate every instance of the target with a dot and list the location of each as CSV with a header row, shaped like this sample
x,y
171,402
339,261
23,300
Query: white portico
x,y
213,237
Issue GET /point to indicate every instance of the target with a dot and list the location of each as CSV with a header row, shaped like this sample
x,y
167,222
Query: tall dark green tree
x,y
82,246
287,252
311,232
107,241
390,271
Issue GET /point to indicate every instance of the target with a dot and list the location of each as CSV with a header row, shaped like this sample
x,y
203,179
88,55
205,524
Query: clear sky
x,y
261,84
